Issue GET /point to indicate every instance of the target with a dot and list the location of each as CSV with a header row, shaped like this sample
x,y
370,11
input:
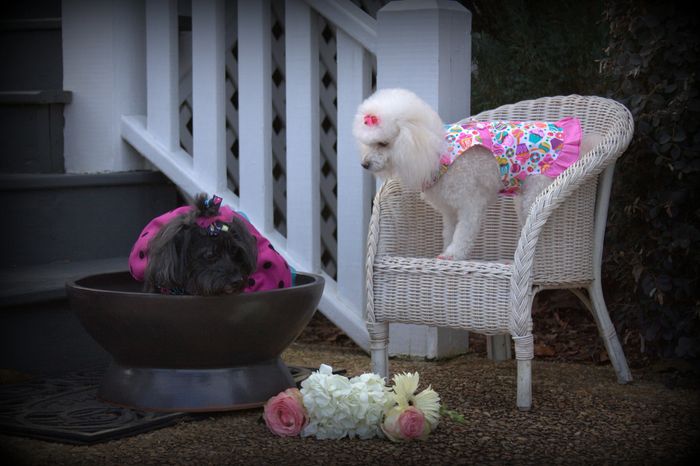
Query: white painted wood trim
x,y
349,18
255,112
343,314
303,152
185,88
498,347
433,61
209,119
355,185
104,66
162,81
176,165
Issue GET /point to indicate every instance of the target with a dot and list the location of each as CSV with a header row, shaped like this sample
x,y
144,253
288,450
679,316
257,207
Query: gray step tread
x,y
45,282
37,97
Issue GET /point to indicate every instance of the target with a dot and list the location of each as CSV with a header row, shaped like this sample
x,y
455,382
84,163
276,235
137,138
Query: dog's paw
x,y
445,257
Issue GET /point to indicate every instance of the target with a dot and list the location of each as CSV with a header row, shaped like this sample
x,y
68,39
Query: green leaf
x,y
452,415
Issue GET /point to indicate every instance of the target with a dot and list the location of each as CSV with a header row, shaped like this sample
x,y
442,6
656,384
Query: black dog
x,y
186,258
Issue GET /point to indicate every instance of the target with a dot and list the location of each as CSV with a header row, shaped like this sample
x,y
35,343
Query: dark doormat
x,y
66,409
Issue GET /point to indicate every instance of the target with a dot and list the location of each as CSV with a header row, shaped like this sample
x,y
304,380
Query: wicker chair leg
x,y
379,347
608,333
524,401
596,305
524,352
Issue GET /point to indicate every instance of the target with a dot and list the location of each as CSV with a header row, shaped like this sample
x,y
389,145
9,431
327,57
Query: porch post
x,y
425,46
104,66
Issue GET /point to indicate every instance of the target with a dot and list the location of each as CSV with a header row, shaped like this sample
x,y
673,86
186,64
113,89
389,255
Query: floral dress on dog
x,y
521,148
272,270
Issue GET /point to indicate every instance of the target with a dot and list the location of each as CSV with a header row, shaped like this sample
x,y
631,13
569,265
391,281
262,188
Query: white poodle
x,y
461,168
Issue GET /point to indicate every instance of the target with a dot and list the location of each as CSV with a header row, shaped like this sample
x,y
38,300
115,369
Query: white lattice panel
x,y
328,119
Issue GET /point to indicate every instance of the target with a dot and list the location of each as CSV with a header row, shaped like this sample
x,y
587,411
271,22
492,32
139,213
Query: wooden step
x,y
71,218
31,131
45,282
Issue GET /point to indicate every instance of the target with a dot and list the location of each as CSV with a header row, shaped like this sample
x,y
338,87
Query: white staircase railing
x,y
156,135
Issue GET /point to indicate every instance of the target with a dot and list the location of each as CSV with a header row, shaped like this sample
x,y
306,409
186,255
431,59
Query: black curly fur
x,y
184,258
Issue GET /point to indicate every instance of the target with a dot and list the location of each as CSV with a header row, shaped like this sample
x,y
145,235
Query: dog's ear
x,y
167,251
247,246
416,153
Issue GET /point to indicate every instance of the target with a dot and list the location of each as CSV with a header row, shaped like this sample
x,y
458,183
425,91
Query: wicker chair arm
x,y
372,245
613,144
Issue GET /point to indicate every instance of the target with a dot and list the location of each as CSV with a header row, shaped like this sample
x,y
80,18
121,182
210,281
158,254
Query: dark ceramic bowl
x,y
192,353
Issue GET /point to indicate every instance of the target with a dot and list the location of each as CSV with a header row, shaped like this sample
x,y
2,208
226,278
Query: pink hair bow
x,y
371,120
215,200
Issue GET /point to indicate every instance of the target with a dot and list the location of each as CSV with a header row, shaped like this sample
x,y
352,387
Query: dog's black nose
x,y
365,165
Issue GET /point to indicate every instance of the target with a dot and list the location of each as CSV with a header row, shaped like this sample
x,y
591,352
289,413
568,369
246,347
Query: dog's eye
x,y
382,144
209,255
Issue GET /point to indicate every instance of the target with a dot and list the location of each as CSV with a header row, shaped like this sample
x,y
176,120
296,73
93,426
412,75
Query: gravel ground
x,y
580,416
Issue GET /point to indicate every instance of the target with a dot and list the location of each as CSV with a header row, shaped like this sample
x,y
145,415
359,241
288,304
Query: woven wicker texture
x,y
492,292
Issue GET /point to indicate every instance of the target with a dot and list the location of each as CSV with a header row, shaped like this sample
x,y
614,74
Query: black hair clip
x,y
216,228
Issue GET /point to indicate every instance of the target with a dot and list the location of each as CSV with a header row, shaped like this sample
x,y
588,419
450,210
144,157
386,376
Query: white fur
x,y
406,143
409,126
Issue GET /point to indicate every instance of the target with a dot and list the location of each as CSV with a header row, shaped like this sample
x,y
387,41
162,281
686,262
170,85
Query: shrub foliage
x,y
653,240
524,49
645,55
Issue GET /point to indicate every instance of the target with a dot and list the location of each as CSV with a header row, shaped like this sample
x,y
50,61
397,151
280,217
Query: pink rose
x,y
284,414
412,423
408,424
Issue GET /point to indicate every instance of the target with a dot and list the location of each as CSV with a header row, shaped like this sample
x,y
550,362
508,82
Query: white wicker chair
x,y
559,246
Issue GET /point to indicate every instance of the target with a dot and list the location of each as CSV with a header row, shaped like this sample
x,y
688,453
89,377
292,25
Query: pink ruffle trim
x,y
571,147
485,135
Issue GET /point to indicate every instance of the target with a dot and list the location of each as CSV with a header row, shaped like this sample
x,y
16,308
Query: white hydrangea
x,y
340,407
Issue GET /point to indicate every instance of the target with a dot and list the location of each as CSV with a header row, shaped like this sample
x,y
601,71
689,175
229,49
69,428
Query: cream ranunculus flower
x,y
405,385
428,401
405,403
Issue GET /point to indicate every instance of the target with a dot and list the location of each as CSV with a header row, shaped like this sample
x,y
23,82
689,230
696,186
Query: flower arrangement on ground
x,y
332,406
